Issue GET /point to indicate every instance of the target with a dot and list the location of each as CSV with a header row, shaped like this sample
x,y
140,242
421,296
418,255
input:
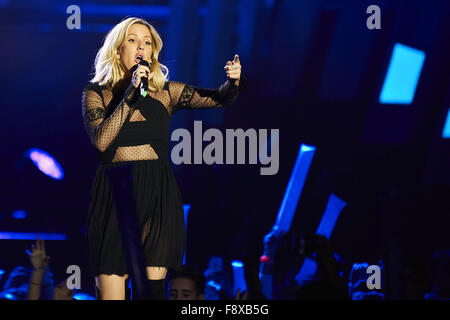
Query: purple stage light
x,y
46,163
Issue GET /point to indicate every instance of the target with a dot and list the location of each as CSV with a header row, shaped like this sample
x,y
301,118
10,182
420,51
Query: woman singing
x,y
128,125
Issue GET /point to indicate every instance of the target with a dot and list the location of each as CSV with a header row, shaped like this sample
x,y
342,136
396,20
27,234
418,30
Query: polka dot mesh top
x,y
124,126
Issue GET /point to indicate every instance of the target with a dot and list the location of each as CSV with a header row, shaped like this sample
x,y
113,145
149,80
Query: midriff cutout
x,y
133,153
137,116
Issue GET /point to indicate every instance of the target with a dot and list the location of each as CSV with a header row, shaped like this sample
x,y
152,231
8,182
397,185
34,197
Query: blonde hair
x,y
107,64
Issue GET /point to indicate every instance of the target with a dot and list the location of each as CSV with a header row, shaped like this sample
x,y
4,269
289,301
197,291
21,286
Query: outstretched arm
x,y
184,96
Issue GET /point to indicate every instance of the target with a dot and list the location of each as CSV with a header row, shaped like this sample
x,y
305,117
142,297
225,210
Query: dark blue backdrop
x,y
315,73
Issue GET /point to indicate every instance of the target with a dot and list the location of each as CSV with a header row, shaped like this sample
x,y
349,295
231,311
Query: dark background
x,y
315,73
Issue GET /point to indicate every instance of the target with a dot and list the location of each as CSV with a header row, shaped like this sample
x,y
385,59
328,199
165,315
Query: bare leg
x,y
112,287
156,273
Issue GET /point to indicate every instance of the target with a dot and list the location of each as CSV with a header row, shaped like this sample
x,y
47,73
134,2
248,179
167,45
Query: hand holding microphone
x,y
141,75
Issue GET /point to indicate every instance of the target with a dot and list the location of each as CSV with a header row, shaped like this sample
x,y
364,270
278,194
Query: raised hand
x,y
272,240
233,69
61,292
38,258
141,72
241,296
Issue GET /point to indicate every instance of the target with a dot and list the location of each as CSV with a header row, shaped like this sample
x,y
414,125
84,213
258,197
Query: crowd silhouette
x,y
332,279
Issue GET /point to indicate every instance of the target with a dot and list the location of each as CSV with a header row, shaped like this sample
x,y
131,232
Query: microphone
x,y
144,81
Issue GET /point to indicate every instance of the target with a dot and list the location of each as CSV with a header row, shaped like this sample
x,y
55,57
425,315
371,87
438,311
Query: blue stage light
x,y
186,208
446,131
111,10
237,264
402,76
46,163
238,276
215,285
83,296
19,214
295,187
31,236
10,296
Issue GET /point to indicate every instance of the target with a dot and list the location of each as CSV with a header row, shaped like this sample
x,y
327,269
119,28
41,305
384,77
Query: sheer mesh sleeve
x,y
184,96
101,130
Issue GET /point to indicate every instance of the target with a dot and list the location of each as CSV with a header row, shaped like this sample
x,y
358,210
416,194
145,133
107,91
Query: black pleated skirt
x,y
159,214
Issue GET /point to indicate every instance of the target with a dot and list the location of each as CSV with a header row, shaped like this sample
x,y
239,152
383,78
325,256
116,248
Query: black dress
x,y
137,135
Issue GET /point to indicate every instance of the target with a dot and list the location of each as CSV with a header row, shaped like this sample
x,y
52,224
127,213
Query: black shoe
x,y
157,289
